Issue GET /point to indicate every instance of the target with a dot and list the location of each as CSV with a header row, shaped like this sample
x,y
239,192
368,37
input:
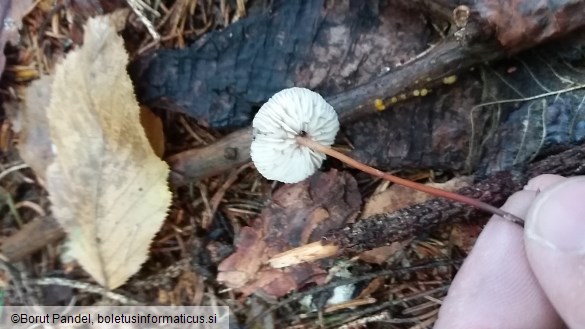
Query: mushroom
x,y
288,114
293,132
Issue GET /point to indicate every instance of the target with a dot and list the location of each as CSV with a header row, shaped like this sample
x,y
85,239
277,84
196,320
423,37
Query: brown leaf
x,y
299,214
371,288
153,128
397,196
464,235
381,254
107,187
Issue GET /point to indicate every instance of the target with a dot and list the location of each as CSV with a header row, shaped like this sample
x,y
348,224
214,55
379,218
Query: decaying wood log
x,y
491,31
384,229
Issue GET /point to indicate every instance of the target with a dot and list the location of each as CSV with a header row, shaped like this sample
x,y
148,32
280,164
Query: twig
x,y
497,188
526,99
32,237
445,59
360,323
390,303
410,184
138,8
86,287
13,169
383,273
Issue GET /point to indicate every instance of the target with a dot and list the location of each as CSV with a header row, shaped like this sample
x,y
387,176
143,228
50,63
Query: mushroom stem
x,y
405,182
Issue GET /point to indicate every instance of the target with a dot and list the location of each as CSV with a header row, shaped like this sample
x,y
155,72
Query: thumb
x,y
555,246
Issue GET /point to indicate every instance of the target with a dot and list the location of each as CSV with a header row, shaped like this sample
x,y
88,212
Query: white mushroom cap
x,y
290,113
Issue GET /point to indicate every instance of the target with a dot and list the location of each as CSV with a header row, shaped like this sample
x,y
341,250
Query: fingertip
x,y
557,216
495,283
555,246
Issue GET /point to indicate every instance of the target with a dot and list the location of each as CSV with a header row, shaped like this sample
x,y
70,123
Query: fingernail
x,y
543,182
557,217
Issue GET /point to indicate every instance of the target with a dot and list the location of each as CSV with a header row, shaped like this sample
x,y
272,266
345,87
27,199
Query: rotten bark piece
x,y
516,24
298,214
521,24
385,229
380,230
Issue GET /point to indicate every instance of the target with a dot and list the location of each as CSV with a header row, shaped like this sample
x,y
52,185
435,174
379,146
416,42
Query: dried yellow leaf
x,y
108,189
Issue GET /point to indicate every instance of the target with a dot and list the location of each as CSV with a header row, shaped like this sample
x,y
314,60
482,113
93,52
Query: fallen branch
x,y
384,229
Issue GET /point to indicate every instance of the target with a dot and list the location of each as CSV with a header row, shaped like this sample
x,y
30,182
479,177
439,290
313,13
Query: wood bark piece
x,y
448,57
234,150
298,214
521,24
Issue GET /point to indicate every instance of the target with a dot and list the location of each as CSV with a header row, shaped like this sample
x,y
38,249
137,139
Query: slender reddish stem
x,y
405,182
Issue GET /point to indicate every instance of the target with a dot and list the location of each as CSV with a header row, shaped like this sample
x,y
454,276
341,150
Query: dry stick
x,y
405,182
86,287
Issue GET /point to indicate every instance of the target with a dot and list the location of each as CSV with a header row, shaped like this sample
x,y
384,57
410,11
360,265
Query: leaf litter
x,y
398,290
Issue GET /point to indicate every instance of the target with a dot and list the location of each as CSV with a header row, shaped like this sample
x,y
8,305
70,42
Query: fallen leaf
x,y
381,254
464,235
107,188
372,287
394,198
34,140
397,196
153,128
299,214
